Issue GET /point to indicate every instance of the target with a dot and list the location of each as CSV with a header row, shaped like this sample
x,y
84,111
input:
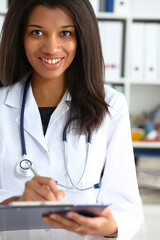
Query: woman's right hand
x,y
41,189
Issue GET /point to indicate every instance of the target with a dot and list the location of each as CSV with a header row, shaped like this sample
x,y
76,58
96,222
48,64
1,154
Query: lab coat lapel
x,y
62,107
54,122
32,119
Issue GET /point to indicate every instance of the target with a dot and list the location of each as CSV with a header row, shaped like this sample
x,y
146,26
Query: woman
x,y
52,49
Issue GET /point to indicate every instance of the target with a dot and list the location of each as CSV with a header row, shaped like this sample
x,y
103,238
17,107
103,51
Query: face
x,y
50,42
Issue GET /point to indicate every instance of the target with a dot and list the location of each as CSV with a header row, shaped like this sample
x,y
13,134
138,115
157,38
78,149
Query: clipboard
x,y
23,217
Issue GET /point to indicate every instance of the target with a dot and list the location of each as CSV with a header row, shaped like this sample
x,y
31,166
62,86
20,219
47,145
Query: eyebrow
x,y
38,26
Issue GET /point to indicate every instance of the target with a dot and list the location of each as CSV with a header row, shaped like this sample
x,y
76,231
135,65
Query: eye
x,y
65,33
37,33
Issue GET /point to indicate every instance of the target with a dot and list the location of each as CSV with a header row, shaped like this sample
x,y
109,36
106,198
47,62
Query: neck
x,y
48,93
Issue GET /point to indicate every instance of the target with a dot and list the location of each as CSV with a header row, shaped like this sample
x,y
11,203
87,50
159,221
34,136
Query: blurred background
x,y
130,37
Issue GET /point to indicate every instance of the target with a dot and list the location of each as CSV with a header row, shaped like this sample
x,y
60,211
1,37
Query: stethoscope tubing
x,y
21,170
24,152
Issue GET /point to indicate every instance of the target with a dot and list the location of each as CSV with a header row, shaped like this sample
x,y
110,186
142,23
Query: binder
x,y
143,7
151,51
29,216
158,39
109,6
95,5
121,6
137,66
111,33
3,5
102,5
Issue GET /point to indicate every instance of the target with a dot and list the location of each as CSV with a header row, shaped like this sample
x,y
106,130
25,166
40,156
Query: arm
x,y
7,201
38,189
119,183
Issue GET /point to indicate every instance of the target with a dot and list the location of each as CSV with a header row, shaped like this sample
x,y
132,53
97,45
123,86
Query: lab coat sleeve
x,y
119,182
4,194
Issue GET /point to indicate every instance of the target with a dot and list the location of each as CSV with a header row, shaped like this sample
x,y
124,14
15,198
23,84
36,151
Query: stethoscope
x,y
26,168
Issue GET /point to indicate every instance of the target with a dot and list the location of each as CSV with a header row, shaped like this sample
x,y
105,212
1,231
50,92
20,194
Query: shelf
x,y
2,13
113,16
110,16
146,18
146,145
145,82
116,81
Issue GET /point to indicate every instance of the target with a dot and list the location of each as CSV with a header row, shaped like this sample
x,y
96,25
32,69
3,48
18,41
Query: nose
x,y
51,44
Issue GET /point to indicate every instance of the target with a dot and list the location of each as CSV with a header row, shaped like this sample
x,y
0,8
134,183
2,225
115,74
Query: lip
x,y
51,66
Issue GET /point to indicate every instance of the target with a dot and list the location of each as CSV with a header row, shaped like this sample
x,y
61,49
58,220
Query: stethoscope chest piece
x,y
23,168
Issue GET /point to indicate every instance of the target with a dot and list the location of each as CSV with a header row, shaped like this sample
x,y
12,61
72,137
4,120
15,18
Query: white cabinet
x,y
140,73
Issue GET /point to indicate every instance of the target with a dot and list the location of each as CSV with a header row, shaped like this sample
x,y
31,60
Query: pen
x,y
34,171
36,174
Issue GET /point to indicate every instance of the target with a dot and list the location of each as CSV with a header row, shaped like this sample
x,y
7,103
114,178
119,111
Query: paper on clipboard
x,y
40,203
23,217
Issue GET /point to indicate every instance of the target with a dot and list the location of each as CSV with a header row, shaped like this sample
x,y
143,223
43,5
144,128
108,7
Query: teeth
x,y
51,61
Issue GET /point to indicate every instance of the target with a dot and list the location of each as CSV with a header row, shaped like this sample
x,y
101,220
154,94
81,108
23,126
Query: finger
x,y
31,196
91,225
82,220
102,225
60,195
51,185
106,213
40,189
62,222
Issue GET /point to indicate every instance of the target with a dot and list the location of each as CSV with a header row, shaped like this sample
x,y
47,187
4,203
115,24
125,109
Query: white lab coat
x,y
111,146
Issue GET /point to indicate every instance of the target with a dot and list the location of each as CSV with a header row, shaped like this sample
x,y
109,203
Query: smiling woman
x,y
64,122
50,46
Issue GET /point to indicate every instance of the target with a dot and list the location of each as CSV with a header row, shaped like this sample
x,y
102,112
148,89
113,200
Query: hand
x,y
103,225
41,189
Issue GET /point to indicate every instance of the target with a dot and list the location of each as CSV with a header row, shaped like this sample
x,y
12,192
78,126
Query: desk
x,y
149,149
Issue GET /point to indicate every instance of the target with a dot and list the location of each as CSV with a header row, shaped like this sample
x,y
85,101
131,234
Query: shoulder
x,y
115,100
3,93
12,90
112,95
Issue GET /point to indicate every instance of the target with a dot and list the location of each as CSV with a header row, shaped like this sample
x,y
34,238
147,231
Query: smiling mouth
x,y
51,61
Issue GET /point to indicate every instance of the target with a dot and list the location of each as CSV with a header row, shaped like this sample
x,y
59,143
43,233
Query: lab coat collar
x,y
15,94
32,115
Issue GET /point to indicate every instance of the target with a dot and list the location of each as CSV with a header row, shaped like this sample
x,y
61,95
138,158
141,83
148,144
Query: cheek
x,y
72,47
30,50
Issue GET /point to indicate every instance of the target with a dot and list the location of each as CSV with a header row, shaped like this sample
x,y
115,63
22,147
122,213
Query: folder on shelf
x,y
151,50
102,5
149,7
29,215
121,6
95,5
3,5
138,56
109,6
111,34
158,39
